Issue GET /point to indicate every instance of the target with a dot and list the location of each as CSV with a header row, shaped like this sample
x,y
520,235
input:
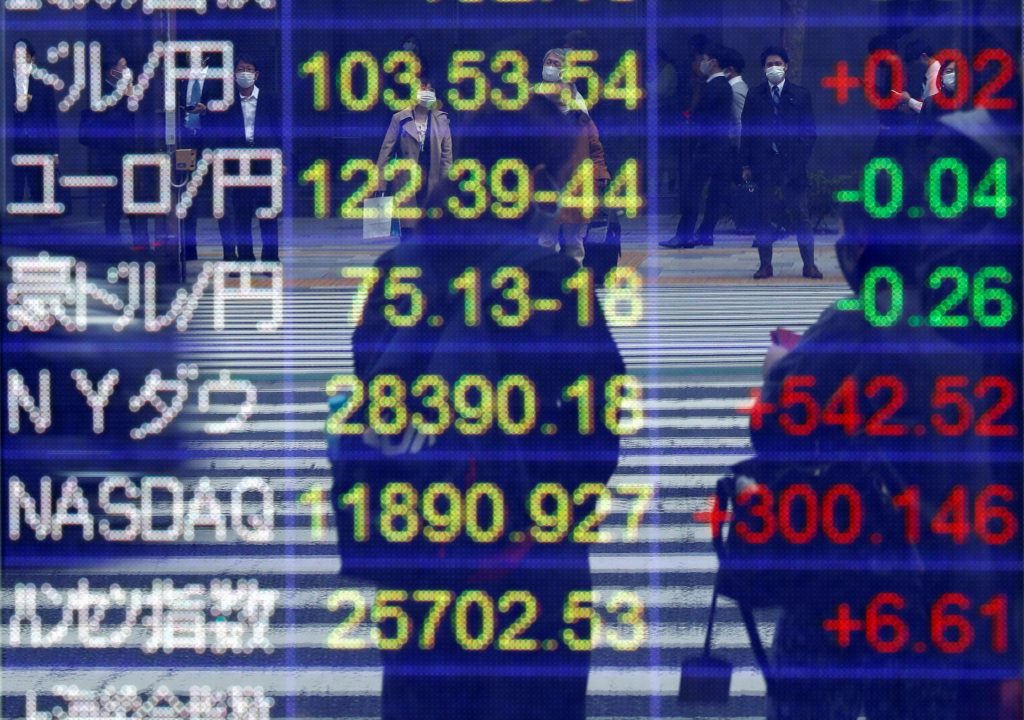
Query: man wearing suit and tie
x,y
252,121
192,100
33,123
778,134
710,159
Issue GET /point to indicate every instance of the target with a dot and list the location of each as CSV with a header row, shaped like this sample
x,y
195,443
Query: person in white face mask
x,y
552,72
709,157
946,83
252,121
777,136
570,227
420,133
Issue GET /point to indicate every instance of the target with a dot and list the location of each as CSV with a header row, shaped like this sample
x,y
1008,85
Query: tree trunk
x,y
794,28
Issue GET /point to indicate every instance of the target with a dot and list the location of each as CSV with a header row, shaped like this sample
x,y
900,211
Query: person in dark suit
x,y
110,134
252,121
778,134
193,98
33,124
710,159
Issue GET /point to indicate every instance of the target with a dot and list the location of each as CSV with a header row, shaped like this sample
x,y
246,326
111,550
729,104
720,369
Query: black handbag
x,y
770,571
603,243
706,679
761,574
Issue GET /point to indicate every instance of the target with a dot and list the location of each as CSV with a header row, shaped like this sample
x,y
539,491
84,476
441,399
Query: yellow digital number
x,y
386,608
439,601
623,394
517,76
399,501
434,391
579,606
337,423
624,82
511,638
580,192
368,277
623,192
340,637
462,69
346,80
624,304
387,396
409,76
518,292
475,417
442,512
473,184
396,286
351,207
632,614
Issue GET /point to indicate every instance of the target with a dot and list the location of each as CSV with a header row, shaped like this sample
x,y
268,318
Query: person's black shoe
x,y
706,241
764,254
676,242
812,271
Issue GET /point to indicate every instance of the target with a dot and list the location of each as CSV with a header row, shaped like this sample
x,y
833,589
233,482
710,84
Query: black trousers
x,y
26,181
779,191
709,169
200,202
236,225
113,211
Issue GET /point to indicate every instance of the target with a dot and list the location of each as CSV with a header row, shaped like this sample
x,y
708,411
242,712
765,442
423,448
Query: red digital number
x,y
792,395
842,407
761,501
886,632
899,80
998,609
809,499
951,518
984,98
986,426
985,514
993,523
943,621
950,629
909,501
897,397
855,514
945,396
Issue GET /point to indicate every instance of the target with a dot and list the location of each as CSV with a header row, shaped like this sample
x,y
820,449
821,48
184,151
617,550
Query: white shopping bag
x,y
377,217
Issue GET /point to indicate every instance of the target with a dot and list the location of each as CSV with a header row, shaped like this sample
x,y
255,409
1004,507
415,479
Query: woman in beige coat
x,y
420,133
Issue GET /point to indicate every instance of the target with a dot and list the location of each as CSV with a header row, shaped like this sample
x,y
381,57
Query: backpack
x,y
374,471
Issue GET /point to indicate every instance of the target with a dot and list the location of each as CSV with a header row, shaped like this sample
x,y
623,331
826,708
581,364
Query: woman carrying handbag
x,y
421,137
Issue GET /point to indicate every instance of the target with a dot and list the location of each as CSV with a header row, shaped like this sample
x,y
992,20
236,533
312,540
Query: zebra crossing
x,y
697,351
